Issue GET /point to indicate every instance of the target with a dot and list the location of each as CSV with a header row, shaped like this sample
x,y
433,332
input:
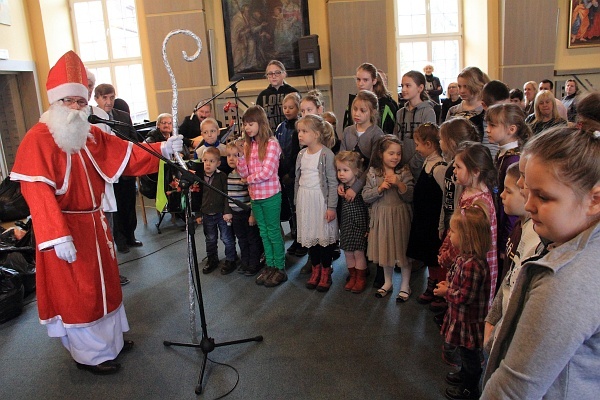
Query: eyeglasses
x,y
274,73
67,101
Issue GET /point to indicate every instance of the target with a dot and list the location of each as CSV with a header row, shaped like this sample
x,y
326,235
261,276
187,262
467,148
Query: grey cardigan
x,y
327,176
549,340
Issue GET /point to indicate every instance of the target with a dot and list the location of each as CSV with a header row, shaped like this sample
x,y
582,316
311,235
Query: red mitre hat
x,y
67,78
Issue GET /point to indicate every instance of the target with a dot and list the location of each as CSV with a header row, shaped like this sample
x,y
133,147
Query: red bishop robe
x,y
64,194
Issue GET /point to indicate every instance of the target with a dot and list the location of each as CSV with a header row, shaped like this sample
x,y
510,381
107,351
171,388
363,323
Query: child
x,y
424,242
521,245
316,198
242,221
215,214
546,346
389,190
332,119
507,128
258,162
417,110
474,170
363,135
452,133
354,222
271,99
210,135
467,291
312,103
287,136
368,77
470,84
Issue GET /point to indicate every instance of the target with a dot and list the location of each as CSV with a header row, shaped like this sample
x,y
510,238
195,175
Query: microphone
x,y
94,119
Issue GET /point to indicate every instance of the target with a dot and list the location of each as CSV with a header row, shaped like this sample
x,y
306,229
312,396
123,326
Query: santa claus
x,y
63,164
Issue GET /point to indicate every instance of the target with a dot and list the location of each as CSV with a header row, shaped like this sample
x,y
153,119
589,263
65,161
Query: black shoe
x,y
252,270
123,249
336,251
301,251
461,393
228,268
127,346
292,249
135,243
105,368
242,269
211,264
454,378
124,280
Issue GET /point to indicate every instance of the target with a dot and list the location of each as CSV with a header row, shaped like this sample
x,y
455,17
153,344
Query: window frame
x,y
428,37
111,63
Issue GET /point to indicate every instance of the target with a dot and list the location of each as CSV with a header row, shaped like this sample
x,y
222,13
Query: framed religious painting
x,y
584,23
257,31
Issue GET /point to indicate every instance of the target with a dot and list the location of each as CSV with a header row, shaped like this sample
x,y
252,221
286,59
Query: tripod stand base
x,y
207,345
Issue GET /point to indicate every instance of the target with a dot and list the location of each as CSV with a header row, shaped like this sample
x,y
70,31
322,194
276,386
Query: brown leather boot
x,y
361,281
315,276
325,281
352,280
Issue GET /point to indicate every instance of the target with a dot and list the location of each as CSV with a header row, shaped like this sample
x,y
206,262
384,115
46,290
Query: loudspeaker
x,y
309,53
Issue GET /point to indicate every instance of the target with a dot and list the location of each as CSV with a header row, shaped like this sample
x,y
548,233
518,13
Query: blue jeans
x,y
212,225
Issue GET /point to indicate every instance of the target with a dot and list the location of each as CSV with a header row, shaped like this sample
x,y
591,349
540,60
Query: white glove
x,y
174,144
66,251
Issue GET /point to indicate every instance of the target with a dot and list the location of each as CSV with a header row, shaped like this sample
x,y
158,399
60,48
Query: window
x,y
107,40
429,31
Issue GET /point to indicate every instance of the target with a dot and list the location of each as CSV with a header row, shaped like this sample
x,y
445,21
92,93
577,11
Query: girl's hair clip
x,y
596,134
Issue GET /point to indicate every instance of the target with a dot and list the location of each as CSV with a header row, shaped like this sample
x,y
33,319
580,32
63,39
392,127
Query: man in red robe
x,y
63,164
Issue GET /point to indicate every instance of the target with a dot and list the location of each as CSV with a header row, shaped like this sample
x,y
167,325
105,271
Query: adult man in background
x,y
109,202
63,164
125,219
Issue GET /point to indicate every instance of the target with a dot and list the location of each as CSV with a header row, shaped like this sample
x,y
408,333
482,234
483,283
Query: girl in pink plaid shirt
x,y
258,162
467,291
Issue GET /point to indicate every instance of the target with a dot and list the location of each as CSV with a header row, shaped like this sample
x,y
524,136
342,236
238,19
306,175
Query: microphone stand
x,y
234,89
207,344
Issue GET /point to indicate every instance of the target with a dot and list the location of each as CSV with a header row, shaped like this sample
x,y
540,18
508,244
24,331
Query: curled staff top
x,y
172,76
170,71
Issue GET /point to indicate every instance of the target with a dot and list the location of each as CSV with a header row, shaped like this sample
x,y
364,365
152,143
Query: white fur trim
x,y
70,89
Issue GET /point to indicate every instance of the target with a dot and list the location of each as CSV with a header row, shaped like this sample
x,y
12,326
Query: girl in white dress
x,y
316,197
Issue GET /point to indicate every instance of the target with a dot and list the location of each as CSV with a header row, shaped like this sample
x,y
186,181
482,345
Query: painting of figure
x,y
584,23
257,31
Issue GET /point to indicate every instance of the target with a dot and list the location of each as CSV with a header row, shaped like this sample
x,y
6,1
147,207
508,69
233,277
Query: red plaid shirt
x,y
448,253
262,178
467,297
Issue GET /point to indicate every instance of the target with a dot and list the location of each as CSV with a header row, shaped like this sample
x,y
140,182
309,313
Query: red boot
x,y
325,281
361,281
315,276
352,280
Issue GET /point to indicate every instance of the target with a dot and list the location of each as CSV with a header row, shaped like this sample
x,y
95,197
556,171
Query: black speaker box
x,y
309,53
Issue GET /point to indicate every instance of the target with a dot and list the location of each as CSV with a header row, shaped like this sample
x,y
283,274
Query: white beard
x,y
69,128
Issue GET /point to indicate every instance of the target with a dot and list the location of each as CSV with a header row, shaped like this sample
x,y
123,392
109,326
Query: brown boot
x,y
352,280
315,276
325,281
361,281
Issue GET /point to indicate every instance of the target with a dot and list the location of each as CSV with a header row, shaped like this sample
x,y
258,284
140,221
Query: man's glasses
x,y
67,101
272,74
